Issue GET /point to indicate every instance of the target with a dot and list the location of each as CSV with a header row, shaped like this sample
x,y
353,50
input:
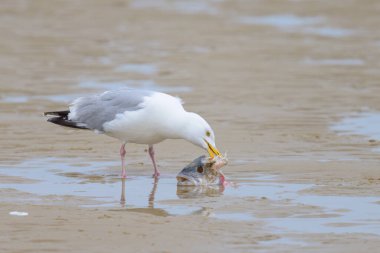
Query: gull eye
x,y
208,134
200,169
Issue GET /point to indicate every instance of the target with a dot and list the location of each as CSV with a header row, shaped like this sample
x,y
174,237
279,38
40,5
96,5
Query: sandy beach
x,y
291,89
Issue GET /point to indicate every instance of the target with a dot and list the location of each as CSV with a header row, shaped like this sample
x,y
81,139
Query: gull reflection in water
x,y
150,208
151,195
183,192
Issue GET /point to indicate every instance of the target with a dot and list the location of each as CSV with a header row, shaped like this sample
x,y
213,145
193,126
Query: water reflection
x,y
191,192
151,194
122,197
183,192
150,209
96,184
154,207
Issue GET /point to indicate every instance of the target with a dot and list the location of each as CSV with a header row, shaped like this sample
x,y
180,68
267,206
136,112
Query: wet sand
x,y
288,87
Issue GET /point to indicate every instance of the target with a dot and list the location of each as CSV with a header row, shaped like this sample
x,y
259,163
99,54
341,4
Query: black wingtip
x,y
67,123
58,113
61,118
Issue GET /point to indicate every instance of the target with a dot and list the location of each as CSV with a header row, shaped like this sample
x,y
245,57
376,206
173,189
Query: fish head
x,y
203,171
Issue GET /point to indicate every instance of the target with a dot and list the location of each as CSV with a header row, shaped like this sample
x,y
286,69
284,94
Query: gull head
x,y
199,132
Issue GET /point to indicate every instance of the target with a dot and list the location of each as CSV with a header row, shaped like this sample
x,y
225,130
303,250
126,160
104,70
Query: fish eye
x,y
200,169
208,134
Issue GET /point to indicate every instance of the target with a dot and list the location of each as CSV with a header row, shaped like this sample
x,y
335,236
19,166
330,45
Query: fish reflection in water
x,y
186,192
182,192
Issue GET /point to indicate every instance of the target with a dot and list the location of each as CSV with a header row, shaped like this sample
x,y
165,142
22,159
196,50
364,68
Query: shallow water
x,y
20,99
147,84
327,31
96,182
334,62
144,69
184,7
299,24
100,86
281,21
361,216
365,124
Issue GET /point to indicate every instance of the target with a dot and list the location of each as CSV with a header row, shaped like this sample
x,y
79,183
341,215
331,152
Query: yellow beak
x,y
212,151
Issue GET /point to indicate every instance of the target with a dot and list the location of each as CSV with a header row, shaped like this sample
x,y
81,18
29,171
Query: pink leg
x,y
122,156
151,153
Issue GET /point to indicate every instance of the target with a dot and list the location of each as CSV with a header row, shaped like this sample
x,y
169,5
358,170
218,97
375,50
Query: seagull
x,y
137,116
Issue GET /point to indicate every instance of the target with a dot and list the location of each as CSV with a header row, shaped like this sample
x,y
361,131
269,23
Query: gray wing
x,y
94,111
